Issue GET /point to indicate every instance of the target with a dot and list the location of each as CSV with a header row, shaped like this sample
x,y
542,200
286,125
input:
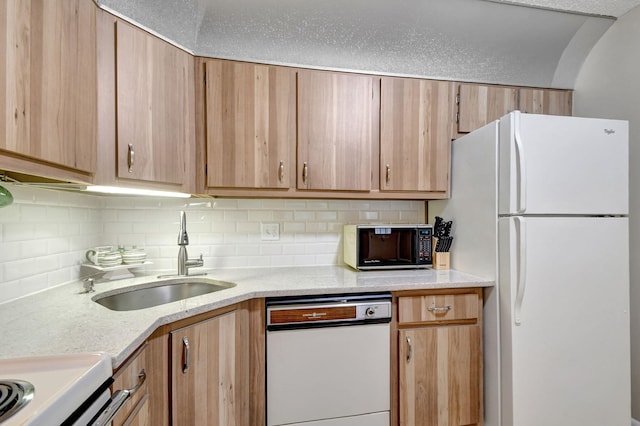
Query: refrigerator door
x,y
564,315
563,165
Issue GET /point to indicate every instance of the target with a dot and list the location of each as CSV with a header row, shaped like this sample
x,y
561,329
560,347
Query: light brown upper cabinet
x,y
416,123
48,99
338,127
480,104
155,108
545,101
251,125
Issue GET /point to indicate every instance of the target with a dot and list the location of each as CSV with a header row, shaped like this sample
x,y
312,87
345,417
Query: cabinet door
x,y
415,134
210,370
251,126
480,104
440,375
48,65
154,102
545,101
337,129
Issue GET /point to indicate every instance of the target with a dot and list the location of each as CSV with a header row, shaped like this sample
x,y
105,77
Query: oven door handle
x,y
117,401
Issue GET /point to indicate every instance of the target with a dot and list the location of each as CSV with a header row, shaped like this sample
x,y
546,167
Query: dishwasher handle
x,y
117,401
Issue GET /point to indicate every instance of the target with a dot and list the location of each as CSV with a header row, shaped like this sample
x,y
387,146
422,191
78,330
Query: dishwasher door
x,y
337,376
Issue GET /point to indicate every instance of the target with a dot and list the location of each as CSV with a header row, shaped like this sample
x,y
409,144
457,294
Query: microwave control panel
x,y
424,245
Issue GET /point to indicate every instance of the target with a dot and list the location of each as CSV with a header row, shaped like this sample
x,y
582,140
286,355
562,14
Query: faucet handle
x,y
183,237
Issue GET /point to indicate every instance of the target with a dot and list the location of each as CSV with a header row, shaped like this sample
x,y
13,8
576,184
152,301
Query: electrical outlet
x,y
270,231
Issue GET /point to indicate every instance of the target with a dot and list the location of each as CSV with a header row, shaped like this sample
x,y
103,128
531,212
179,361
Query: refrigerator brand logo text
x,y
609,131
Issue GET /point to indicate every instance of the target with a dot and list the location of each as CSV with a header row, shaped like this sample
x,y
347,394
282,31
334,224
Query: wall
x,y
44,234
608,86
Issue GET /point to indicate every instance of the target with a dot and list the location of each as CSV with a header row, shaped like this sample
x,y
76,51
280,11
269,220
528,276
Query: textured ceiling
x,y
615,8
495,41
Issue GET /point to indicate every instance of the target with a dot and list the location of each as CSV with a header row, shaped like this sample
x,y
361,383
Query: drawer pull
x,y
117,401
305,172
186,354
409,349
315,315
387,175
439,309
281,172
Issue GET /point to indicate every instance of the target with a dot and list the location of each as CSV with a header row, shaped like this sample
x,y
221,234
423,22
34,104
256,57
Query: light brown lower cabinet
x,y
440,359
210,372
214,377
133,376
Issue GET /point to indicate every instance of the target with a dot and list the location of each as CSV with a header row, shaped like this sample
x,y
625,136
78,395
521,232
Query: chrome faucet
x,y
184,263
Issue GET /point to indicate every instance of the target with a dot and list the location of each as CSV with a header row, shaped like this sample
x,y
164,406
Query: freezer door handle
x,y
521,238
522,176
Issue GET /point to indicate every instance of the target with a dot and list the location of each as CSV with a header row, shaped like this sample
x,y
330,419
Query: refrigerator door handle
x,y
521,235
522,176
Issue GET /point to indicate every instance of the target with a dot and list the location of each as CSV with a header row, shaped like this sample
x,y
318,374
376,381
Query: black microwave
x,y
388,246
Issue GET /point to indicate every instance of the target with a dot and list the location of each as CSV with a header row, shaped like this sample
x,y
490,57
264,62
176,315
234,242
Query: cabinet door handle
x,y
131,155
409,349
387,175
281,172
305,171
186,354
439,309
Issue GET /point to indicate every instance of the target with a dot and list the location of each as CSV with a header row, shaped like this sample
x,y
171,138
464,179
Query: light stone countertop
x,y
62,321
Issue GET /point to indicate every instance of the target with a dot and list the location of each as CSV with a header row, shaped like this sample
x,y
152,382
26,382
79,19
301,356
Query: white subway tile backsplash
x,y
12,250
45,233
304,216
316,227
58,245
294,227
19,231
326,216
260,216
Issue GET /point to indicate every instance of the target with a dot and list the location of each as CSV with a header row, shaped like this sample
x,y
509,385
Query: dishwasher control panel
x,y
330,310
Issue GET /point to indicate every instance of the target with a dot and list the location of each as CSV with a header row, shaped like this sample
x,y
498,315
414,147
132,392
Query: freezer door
x,y
564,320
563,165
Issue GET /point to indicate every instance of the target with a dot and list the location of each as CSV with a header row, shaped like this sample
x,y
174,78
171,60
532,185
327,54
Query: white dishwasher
x,y
328,360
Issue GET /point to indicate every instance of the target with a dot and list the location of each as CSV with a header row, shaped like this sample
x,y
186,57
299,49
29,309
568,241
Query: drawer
x,y
128,377
437,308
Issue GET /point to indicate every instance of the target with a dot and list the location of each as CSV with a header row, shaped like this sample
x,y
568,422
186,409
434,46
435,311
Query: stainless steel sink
x,y
146,296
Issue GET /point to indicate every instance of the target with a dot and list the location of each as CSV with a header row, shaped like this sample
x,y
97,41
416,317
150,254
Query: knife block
x,y
441,260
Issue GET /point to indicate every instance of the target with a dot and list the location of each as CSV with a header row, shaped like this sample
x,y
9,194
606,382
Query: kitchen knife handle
x,y
521,230
281,172
409,349
305,171
131,156
522,176
186,354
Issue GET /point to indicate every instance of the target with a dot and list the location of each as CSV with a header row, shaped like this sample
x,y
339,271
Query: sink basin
x,y
146,296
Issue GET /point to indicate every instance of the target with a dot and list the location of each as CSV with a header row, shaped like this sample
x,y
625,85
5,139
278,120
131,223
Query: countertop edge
x,y
62,320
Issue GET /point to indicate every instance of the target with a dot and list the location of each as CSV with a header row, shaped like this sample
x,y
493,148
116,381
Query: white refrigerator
x,y
540,205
